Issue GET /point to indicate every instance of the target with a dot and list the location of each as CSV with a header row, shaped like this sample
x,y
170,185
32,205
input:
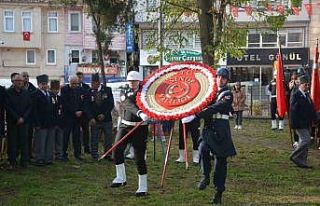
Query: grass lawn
x,y
261,174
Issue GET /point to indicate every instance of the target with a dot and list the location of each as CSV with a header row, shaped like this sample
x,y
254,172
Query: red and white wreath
x,y
177,90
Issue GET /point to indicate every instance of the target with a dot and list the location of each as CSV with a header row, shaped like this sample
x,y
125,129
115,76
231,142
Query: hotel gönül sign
x,y
109,70
291,56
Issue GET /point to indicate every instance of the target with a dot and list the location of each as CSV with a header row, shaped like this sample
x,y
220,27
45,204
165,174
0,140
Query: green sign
x,y
183,55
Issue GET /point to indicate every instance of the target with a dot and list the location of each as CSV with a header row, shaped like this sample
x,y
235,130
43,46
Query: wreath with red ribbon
x,y
177,90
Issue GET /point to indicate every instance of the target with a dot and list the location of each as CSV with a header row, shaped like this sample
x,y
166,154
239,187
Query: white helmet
x,y
134,76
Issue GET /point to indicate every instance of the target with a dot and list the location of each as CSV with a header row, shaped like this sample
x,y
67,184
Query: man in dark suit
x,y
57,118
2,101
302,114
216,136
43,123
84,120
31,89
73,104
100,104
18,107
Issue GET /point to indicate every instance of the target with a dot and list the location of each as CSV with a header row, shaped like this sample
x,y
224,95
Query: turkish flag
x,y
248,10
280,9
26,36
295,10
280,87
315,82
308,8
235,11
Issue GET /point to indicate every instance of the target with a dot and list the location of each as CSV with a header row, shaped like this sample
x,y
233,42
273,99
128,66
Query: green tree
x,y
219,32
105,15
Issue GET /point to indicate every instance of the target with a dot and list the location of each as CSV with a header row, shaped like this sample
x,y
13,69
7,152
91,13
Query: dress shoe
x,y
204,182
114,184
141,194
217,198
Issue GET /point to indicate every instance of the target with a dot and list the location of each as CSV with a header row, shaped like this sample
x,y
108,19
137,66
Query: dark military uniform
x,y
216,138
73,99
84,121
193,128
58,125
43,123
273,103
2,101
100,102
18,105
31,89
138,138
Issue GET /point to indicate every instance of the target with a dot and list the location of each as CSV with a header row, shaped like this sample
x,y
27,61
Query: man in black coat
x,y
302,114
84,120
43,123
272,87
18,107
57,118
216,136
73,104
100,104
31,89
2,101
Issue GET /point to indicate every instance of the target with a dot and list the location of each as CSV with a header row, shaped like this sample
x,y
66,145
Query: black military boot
x,y
204,182
217,198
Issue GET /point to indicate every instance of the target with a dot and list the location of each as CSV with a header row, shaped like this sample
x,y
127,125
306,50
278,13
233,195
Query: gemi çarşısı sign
x,y
291,56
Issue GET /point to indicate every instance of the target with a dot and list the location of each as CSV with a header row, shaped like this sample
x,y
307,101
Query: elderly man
x,y
100,105
18,106
73,103
302,114
84,120
31,89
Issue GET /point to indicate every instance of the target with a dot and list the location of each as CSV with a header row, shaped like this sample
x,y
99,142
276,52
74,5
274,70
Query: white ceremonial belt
x,y
221,116
131,123
273,96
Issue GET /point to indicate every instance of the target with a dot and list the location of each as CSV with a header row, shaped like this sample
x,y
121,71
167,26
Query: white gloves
x,y
143,116
188,119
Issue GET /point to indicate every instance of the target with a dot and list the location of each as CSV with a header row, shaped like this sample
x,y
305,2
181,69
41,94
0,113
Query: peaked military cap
x,y
43,78
54,84
95,77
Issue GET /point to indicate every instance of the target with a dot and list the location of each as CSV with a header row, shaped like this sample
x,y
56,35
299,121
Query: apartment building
x,y
32,38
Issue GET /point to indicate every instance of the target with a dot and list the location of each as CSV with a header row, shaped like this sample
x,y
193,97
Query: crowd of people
x,y
40,122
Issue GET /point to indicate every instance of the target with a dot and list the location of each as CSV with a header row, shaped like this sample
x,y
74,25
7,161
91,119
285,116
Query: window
x,y
8,21
51,56
187,40
151,5
30,57
26,21
253,40
197,41
269,40
94,56
148,38
75,56
295,37
74,22
52,21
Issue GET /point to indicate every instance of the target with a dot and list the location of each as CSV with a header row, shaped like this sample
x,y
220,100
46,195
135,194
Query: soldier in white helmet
x,y
132,115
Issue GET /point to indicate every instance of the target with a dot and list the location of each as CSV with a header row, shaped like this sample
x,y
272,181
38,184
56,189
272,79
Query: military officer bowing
x,y
216,136
131,117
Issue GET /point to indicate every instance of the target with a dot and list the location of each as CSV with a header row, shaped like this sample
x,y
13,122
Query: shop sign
x,y
109,70
182,56
291,56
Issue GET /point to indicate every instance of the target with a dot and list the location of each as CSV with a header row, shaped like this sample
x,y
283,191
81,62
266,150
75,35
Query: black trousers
x,y
18,143
194,128
74,128
84,124
220,167
138,140
273,108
